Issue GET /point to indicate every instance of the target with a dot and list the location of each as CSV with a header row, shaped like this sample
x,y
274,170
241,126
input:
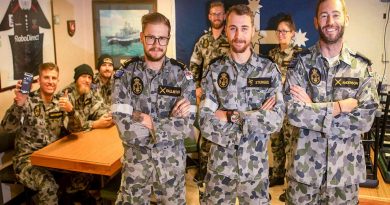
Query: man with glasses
x,y
209,46
154,108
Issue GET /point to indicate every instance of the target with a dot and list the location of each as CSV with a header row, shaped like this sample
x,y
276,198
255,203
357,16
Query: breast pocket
x,y
165,105
344,88
256,96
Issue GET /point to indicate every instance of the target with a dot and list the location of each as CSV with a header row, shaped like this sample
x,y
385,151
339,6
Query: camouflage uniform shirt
x,y
241,152
206,49
37,125
154,93
283,58
329,149
88,107
104,90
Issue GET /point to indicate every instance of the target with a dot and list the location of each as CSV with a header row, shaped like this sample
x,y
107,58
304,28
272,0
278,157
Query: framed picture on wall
x,y
26,39
117,27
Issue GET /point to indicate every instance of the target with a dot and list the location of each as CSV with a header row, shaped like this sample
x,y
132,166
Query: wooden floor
x,y
379,195
367,196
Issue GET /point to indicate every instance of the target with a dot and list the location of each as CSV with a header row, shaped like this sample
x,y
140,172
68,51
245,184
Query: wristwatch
x,y
229,114
71,113
235,117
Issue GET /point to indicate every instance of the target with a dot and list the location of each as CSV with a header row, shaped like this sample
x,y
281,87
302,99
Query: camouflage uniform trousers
x,y
42,180
299,193
204,157
280,146
223,190
138,179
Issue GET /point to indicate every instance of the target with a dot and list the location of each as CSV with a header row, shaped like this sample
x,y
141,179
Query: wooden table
x,y
97,152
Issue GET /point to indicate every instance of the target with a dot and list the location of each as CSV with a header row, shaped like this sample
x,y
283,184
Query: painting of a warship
x,y
125,36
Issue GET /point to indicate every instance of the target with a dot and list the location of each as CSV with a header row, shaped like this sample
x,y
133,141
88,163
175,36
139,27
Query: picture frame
x,y
26,39
117,27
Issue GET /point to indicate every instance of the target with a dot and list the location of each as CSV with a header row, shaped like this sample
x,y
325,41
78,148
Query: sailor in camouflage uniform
x,y
154,108
241,106
282,55
37,119
331,100
103,81
87,104
209,46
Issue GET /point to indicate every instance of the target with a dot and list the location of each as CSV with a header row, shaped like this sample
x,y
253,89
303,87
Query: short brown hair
x,y
319,2
288,20
216,4
241,9
155,18
48,66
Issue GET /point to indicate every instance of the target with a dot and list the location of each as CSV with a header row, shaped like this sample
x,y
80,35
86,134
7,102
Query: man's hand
x,y
20,98
300,94
348,105
269,104
221,115
103,122
145,119
181,108
64,103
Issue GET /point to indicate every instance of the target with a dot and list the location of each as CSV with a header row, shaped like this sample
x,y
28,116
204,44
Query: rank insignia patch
x,y
205,43
37,111
314,76
137,86
223,80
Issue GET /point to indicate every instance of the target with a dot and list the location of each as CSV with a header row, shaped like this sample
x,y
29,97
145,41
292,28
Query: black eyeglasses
x,y
284,32
150,40
216,14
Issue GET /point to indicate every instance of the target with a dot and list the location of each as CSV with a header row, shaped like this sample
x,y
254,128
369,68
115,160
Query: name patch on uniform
x,y
37,111
314,76
55,115
223,80
137,86
168,90
285,63
258,82
226,45
88,101
346,82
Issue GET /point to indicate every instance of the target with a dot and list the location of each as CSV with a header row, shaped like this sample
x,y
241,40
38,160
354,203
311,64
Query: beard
x,y
83,89
331,40
218,25
106,74
239,50
149,57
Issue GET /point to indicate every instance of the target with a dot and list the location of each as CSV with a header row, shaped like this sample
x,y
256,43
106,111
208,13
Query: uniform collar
x,y
210,34
252,61
37,95
144,66
345,54
97,79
